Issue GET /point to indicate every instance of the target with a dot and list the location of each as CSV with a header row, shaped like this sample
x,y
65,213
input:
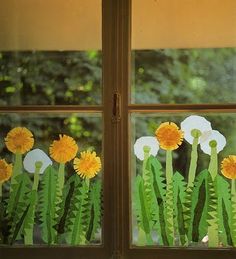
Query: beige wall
x,y
76,24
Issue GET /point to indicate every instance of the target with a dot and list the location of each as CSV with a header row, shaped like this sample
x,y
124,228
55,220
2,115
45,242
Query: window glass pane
x,y
50,52
179,58
51,179
50,78
183,179
184,76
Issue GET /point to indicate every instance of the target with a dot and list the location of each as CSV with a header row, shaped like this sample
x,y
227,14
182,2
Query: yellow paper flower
x,y
5,171
64,149
169,136
19,140
228,167
88,165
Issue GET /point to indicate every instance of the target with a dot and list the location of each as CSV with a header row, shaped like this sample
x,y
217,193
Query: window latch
x,y
116,108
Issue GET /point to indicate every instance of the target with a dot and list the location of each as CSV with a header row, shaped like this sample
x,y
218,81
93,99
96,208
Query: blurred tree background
x,y
74,78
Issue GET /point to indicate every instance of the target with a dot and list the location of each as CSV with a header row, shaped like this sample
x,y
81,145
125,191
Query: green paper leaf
x,y
233,220
160,192
95,210
28,225
79,215
68,193
169,209
198,227
141,208
18,205
213,227
179,187
47,205
224,210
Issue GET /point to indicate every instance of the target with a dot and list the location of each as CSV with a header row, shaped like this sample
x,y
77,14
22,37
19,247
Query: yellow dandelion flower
x,y
64,149
19,140
169,136
88,165
228,167
5,171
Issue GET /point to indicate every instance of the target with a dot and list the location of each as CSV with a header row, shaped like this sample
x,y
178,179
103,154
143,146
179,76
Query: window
x,y
108,99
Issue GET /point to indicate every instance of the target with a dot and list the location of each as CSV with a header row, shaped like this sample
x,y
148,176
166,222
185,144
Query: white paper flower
x,y
150,142
36,155
218,137
205,239
194,122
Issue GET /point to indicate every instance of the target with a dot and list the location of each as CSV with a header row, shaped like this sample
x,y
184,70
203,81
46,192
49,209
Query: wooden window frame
x,y
116,42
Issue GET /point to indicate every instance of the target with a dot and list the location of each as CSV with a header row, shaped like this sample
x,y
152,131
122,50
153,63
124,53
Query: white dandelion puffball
x,y
218,137
140,143
194,122
36,155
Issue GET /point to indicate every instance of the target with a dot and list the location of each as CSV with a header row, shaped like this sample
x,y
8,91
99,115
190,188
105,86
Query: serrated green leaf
x,y
95,210
213,227
198,226
224,210
141,208
179,188
47,209
18,205
160,192
68,193
78,216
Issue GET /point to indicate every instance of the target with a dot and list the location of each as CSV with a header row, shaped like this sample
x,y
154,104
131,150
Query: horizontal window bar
x,y
56,109
182,108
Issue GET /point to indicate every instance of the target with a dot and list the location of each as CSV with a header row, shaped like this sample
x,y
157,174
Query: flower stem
x,y
193,162
169,199
233,187
17,168
169,168
36,176
29,232
213,166
87,181
61,178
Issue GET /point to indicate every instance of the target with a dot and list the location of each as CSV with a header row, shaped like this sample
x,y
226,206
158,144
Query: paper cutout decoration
x,y
69,212
181,213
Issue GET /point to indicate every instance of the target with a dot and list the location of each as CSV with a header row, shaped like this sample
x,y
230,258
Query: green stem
x,y
193,162
38,166
213,166
29,232
169,199
61,178
87,181
169,168
17,168
233,187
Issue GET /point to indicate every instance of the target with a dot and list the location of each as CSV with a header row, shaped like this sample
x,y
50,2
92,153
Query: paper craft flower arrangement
x,y
68,212
170,210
